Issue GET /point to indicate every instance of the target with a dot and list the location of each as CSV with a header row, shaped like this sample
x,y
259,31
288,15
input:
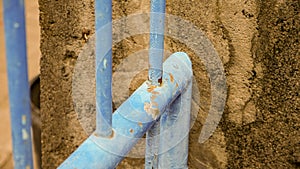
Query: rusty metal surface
x,y
131,121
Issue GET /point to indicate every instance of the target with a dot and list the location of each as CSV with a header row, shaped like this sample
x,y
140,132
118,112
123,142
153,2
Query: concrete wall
x,y
258,43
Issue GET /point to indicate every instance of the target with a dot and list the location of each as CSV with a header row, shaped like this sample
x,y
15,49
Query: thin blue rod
x,y
155,73
156,50
103,10
152,146
19,96
133,118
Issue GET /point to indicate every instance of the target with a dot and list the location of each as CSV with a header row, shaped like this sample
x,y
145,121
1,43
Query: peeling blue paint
x,y
107,152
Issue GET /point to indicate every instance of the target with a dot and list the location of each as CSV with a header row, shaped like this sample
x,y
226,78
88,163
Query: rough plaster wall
x,y
63,24
257,43
231,32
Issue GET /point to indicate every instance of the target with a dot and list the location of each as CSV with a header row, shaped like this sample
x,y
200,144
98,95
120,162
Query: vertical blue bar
x,y
156,54
156,51
152,146
174,132
103,10
19,97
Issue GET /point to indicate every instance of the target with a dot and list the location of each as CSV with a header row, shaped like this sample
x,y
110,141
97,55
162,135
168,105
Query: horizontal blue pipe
x,y
133,118
156,50
103,16
19,97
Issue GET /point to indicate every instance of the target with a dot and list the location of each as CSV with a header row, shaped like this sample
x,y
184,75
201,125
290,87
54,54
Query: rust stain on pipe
x,y
147,107
155,104
151,88
171,77
140,124
155,93
109,137
153,111
152,97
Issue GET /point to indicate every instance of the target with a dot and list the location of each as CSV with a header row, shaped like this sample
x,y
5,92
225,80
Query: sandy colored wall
x,y
258,43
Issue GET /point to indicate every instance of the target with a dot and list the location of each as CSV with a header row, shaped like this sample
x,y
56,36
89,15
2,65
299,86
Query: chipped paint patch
x,y
25,135
150,110
155,113
155,92
151,88
109,137
131,131
152,107
147,107
140,124
171,77
104,63
154,104
24,119
112,134
16,25
153,97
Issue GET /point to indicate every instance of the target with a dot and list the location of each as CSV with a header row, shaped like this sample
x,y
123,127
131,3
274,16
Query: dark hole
x,y
35,92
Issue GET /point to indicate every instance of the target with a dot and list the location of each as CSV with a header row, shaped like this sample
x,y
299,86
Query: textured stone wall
x,y
258,43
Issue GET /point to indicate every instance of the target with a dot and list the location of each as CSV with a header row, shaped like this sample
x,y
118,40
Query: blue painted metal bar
x,y
103,10
133,118
152,146
156,54
174,134
19,97
156,51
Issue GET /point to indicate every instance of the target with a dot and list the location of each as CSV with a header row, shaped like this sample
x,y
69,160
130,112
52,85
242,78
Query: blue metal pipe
x,y
152,146
133,118
19,97
174,133
156,51
103,16
156,54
